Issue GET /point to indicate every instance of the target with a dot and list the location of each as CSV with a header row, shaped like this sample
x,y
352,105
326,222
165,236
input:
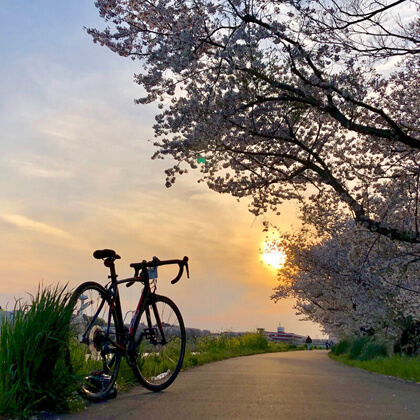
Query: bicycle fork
x,y
150,333
158,322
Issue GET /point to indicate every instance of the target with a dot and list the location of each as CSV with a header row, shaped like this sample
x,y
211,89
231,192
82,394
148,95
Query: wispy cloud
x,y
25,223
32,169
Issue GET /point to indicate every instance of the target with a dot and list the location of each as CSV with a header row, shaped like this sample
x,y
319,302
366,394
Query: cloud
x,y
34,170
25,223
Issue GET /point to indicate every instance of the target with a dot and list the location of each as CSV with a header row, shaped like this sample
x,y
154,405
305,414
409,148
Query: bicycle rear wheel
x,y
160,346
94,355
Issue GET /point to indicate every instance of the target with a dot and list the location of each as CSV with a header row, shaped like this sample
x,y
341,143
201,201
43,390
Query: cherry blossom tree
x,y
351,281
279,100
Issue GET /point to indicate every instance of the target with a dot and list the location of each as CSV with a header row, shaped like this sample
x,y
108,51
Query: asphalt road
x,y
295,385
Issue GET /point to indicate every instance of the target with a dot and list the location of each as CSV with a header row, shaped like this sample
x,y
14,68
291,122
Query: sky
x,y
76,175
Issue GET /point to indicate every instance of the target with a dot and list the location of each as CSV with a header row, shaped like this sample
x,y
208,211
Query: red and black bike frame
x,y
147,298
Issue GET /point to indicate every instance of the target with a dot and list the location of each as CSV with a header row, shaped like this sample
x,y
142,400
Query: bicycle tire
x,y
157,364
92,357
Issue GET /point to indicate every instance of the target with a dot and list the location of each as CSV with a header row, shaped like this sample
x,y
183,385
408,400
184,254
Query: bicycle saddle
x,y
100,254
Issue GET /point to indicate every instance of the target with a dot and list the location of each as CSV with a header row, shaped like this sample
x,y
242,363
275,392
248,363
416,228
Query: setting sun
x,y
273,256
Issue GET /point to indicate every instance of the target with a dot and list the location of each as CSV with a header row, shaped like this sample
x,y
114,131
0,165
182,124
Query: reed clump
x,y
34,375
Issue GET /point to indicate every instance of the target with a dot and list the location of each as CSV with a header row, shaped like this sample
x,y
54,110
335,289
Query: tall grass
x,y
33,374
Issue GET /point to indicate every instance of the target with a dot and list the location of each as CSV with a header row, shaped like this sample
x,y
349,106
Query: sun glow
x,y
273,256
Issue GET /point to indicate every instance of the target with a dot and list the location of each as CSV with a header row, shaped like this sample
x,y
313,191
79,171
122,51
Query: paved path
x,y
286,386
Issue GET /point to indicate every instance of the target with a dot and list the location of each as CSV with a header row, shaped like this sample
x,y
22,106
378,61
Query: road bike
x,y
153,343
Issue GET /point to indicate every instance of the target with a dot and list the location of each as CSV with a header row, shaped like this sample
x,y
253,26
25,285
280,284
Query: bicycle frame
x,y
143,303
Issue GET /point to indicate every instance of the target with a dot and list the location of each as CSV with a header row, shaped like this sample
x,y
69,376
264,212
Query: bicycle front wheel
x,y
160,345
94,354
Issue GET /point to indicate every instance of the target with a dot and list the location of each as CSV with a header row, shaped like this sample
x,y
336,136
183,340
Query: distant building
x,y
5,314
284,337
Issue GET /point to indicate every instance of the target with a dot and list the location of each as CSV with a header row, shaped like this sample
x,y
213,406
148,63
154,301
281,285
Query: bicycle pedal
x,y
150,333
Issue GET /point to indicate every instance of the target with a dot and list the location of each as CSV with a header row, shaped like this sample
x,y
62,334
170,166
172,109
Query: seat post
x,y
109,262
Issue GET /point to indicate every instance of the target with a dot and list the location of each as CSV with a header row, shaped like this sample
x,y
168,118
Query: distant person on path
x,y
309,342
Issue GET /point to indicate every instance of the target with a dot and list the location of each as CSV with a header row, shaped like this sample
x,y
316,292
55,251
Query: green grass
x,y
209,349
400,366
33,374
372,355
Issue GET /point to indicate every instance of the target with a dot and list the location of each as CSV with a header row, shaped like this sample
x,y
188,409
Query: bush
x,y
364,348
373,349
357,347
254,341
248,342
33,373
341,348
409,342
